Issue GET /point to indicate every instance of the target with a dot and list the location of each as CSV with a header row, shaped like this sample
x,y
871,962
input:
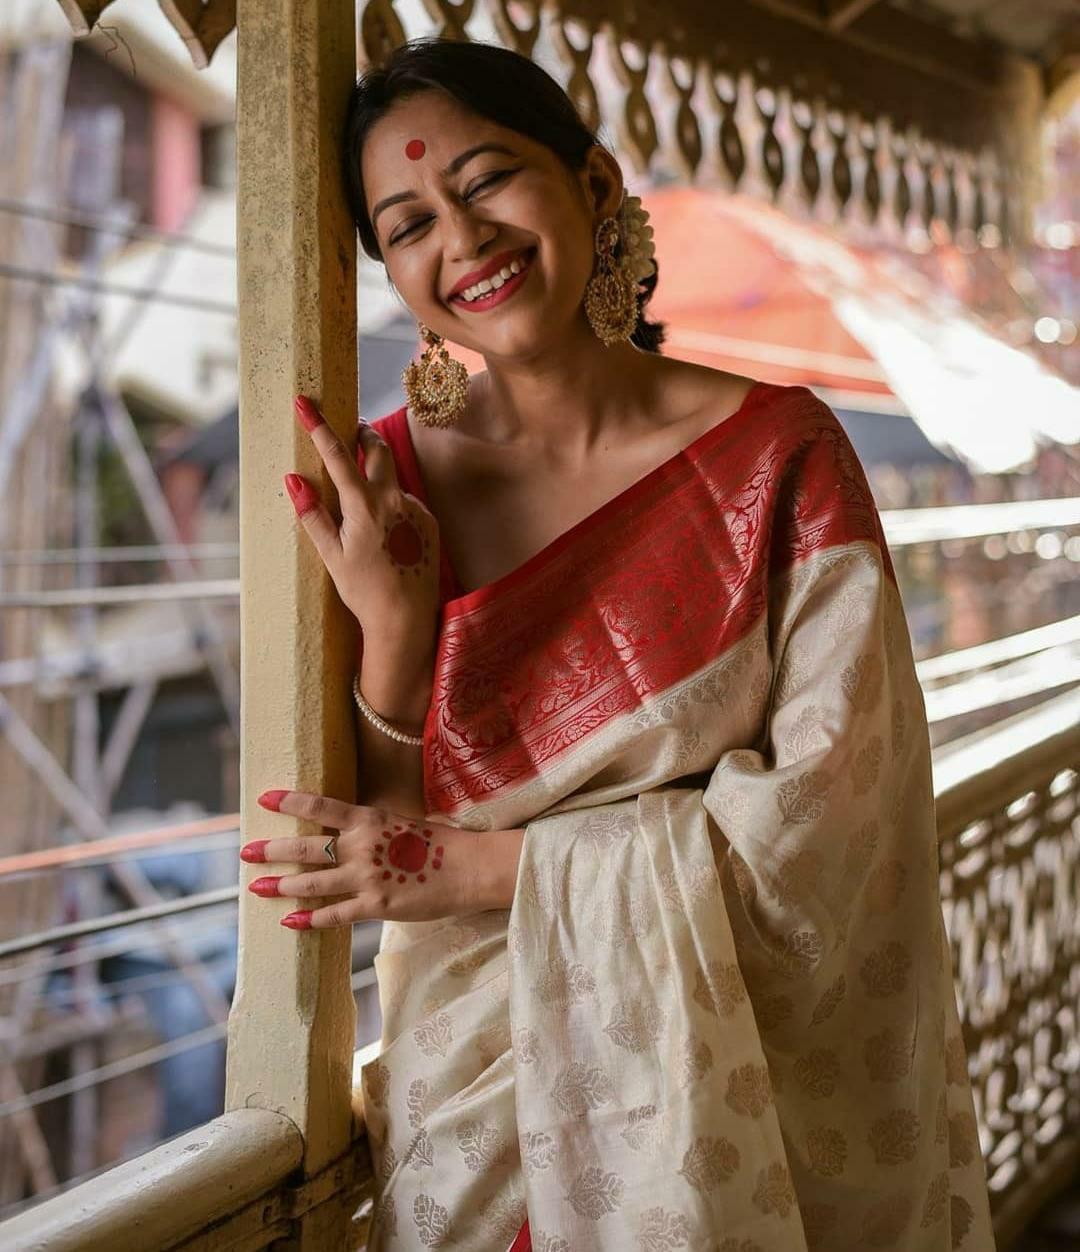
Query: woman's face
x,y
441,214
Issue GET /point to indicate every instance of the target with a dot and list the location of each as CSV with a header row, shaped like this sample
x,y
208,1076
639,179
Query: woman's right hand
x,y
383,557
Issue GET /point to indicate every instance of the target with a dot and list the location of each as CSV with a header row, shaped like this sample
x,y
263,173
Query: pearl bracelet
x,y
399,736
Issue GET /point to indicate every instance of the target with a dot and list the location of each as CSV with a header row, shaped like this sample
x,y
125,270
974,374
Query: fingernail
x,y
300,920
301,493
254,852
272,800
265,887
307,413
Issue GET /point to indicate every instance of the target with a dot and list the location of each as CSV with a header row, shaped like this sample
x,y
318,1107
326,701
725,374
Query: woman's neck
x,y
570,400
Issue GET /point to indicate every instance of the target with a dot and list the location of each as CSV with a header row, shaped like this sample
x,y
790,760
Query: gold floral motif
x,y
864,773
802,799
827,1149
861,682
605,828
860,849
502,1215
708,1162
817,1072
481,1146
697,1060
956,1062
749,1090
719,988
936,1205
548,1243
894,1138
376,1083
961,1215
660,1231
699,886
885,971
635,1025
537,1151
941,1119
805,736
432,1220
580,1087
420,1102
798,954
887,1057
642,1127
899,726
526,1046
885,886
799,876
564,983
830,999
421,1151
386,1164
434,1037
596,1192
384,1217
774,1192
963,1139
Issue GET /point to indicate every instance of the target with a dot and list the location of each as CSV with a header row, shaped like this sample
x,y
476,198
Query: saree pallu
x,y
720,1012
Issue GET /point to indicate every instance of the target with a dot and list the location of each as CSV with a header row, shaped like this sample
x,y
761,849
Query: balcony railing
x,y
1008,805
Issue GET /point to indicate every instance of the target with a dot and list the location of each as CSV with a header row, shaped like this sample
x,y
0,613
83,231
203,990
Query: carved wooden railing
x,y
1008,804
1008,812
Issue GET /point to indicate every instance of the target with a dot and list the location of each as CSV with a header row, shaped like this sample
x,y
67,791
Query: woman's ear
x,y
603,181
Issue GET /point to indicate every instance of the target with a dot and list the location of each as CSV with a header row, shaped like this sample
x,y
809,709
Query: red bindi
x,y
415,149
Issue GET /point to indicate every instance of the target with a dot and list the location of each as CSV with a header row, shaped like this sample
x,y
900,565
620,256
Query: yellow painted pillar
x,y
291,1031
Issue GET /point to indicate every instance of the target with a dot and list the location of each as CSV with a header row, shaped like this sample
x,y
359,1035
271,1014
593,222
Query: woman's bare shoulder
x,y
698,395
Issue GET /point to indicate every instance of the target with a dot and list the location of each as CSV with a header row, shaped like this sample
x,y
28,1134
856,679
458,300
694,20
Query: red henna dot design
x,y
408,549
421,878
387,874
378,860
409,853
415,149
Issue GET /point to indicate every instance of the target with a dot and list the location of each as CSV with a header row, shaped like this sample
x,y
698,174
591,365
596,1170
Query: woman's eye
x,y
480,186
487,182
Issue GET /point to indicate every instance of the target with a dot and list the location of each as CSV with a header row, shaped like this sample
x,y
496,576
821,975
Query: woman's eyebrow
x,y
455,165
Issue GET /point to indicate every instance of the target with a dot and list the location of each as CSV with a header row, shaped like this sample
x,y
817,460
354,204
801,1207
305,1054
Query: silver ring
x,y
330,850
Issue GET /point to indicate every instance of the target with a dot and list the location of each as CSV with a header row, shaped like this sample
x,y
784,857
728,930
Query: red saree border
x,y
644,592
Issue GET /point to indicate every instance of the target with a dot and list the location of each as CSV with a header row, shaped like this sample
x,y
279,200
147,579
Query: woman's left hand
x,y
382,866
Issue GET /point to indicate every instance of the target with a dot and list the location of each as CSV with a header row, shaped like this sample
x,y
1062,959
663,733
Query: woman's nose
x,y
467,234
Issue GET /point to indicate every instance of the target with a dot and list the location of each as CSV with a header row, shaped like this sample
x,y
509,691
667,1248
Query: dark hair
x,y
502,86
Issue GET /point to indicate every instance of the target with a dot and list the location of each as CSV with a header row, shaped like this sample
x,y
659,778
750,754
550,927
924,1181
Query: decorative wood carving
x,y
201,24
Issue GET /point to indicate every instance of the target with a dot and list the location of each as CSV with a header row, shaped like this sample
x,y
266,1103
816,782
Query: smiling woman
x,y
646,804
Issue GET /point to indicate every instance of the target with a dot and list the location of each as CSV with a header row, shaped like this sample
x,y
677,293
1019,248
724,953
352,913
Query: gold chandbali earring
x,y
437,386
624,252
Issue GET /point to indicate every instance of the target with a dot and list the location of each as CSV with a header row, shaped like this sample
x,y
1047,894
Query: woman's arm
x,y
396,681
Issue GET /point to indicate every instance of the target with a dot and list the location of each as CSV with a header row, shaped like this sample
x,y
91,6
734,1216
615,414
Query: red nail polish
x,y
272,800
265,887
307,413
301,493
300,920
254,852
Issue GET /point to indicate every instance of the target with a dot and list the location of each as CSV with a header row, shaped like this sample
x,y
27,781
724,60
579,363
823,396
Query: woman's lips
x,y
491,298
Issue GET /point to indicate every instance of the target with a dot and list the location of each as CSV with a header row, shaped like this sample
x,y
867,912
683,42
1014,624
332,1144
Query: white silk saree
x,y
720,1013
